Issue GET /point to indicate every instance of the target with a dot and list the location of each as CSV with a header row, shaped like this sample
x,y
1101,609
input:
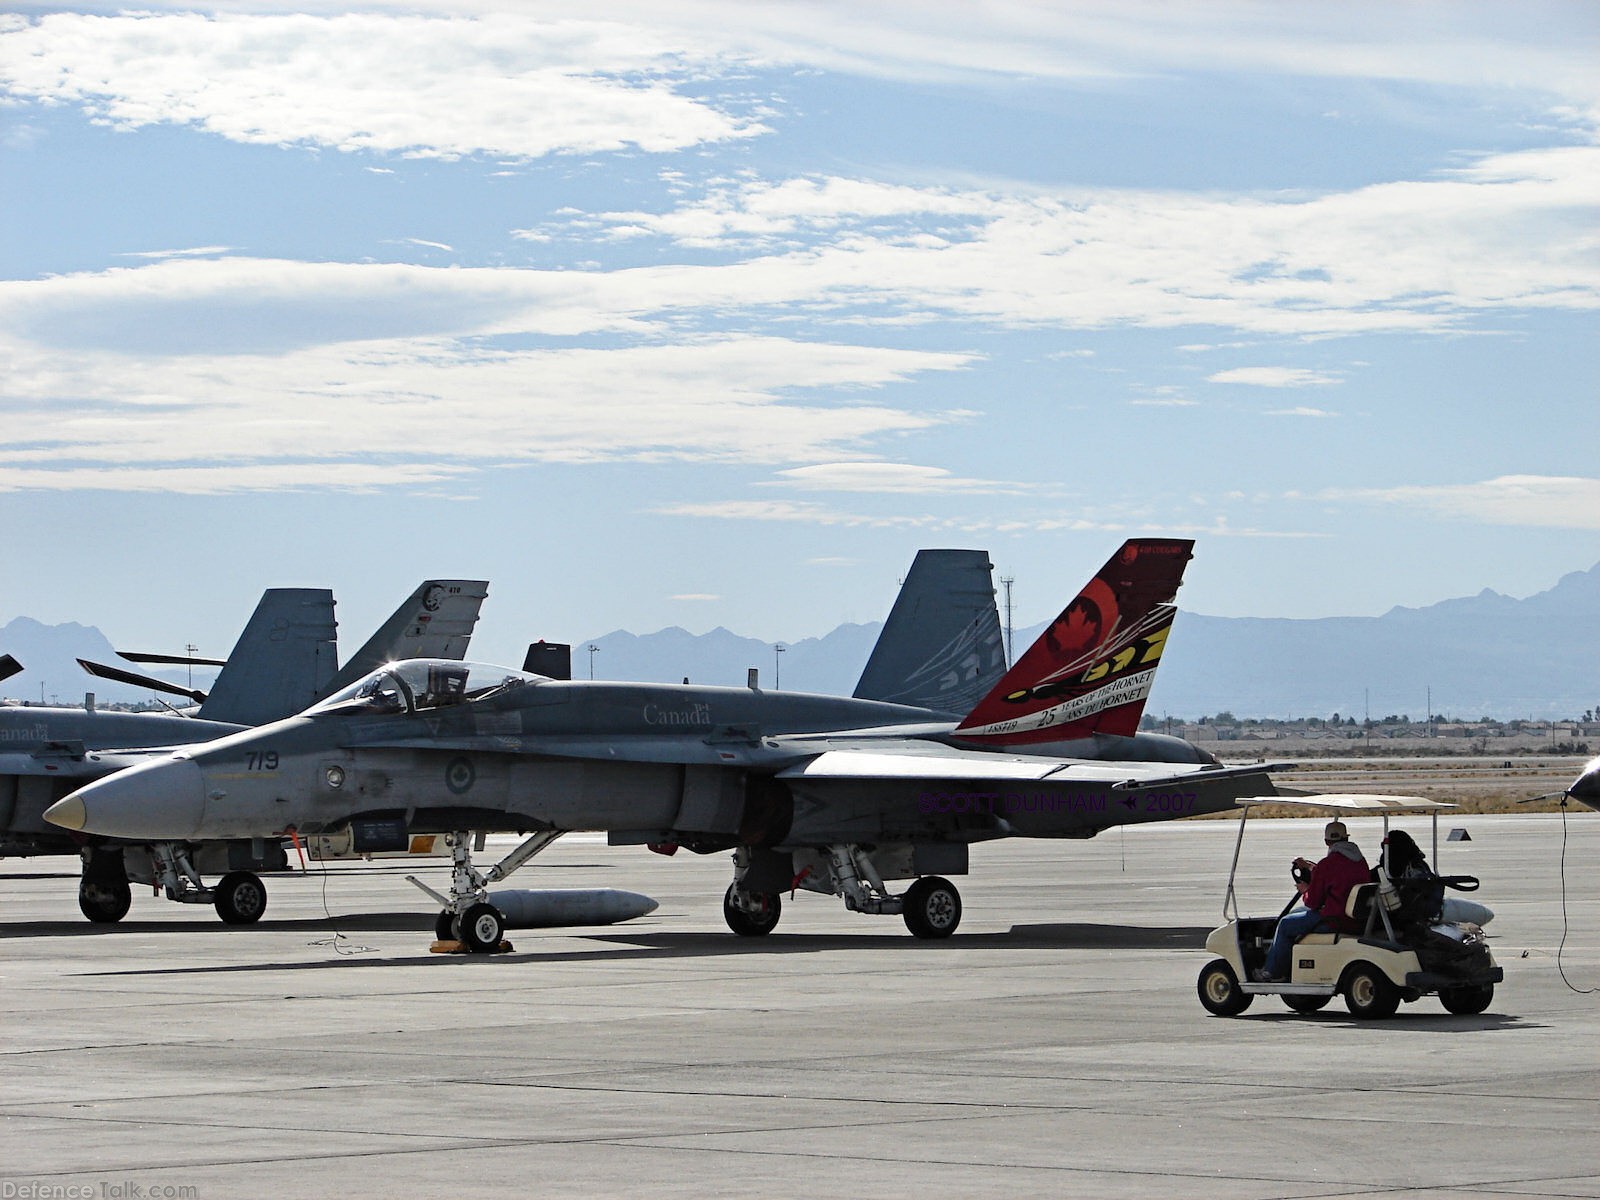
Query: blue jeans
x,y
1292,927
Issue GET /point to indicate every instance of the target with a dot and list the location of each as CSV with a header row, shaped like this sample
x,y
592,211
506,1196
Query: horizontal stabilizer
x,y
177,660
120,675
9,666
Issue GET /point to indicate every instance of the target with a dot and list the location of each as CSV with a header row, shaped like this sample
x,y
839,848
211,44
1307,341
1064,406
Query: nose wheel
x,y
241,898
752,914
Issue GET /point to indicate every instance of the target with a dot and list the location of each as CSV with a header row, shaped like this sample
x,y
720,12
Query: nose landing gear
x,y
467,916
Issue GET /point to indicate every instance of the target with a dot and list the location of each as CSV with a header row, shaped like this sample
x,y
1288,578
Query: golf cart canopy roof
x,y
1349,802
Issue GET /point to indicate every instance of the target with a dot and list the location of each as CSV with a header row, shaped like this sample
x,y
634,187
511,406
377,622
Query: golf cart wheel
x,y
1368,994
748,924
932,907
1467,1001
444,926
105,901
1219,990
241,898
1307,1004
481,928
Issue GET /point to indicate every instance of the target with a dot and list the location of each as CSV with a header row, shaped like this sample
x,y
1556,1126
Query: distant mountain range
x,y
1481,656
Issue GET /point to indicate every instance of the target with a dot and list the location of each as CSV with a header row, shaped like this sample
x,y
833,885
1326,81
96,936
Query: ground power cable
x,y
339,938
1562,945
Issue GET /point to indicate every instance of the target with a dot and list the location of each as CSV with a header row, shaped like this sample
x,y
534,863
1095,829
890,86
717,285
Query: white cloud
x,y
797,512
1300,411
496,84
192,252
260,419
473,77
1274,377
1513,231
901,478
809,513
215,481
1540,501
695,597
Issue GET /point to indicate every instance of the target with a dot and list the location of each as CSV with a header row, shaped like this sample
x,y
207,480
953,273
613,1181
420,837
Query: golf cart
x,y
1403,951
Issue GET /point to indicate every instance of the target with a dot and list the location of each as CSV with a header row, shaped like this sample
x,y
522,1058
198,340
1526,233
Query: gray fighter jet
x,y
285,659
831,794
1586,787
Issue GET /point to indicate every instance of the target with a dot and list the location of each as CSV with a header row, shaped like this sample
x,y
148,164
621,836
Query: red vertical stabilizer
x,y
1092,668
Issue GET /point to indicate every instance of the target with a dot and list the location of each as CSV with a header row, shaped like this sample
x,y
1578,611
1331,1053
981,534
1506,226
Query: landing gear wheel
x,y
932,907
748,924
444,926
241,898
1307,1004
1467,1001
1368,994
1219,990
481,928
104,901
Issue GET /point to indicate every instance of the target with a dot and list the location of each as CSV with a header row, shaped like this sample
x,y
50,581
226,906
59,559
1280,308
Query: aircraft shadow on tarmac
x,y
350,923
667,944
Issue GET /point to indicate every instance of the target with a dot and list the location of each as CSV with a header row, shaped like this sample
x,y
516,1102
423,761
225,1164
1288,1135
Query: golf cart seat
x,y
1358,904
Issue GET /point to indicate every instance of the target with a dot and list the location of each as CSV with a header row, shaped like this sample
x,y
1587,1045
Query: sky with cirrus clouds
x,y
714,313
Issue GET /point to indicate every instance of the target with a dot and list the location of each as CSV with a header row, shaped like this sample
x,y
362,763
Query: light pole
x,y
1006,581
777,666
593,650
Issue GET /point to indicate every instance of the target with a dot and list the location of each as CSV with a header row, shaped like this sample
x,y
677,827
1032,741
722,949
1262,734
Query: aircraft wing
x,y
929,792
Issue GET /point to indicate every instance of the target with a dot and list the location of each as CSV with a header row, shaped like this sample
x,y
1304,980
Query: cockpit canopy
x,y
424,683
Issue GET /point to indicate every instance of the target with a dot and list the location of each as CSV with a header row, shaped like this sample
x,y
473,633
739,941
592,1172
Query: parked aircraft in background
x,y
285,658
1586,788
831,794
942,646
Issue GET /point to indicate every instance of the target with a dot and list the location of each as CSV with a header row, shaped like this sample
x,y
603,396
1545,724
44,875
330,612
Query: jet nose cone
x,y
68,813
1587,788
161,801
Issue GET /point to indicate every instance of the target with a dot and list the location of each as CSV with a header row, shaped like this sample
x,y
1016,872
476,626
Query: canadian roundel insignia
x,y
460,775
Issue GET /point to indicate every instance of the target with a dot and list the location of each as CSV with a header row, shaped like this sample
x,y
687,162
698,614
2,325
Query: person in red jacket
x,y
1323,897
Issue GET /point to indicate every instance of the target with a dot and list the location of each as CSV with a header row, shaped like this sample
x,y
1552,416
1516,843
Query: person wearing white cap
x,y
1323,898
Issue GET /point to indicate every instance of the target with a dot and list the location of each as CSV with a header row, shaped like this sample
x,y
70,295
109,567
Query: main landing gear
x,y
930,907
467,916
239,897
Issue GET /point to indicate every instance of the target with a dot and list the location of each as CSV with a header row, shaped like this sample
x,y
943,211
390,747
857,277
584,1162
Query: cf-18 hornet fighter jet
x,y
1586,788
833,794
285,659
